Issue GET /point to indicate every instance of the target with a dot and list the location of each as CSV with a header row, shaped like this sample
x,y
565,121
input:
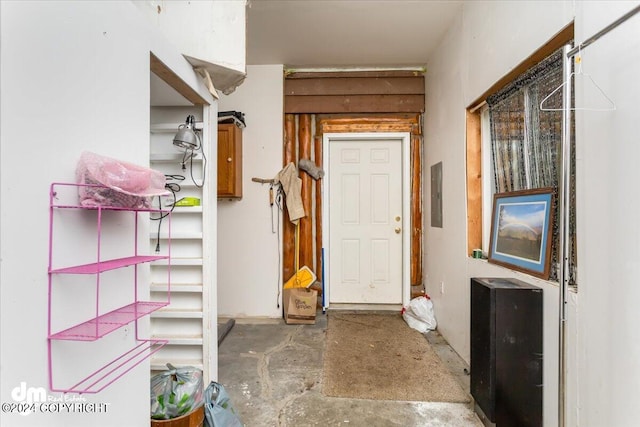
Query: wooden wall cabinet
x,y
229,161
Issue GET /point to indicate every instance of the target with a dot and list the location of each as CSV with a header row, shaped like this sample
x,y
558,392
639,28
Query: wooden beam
x,y
406,122
306,222
354,86
289,150
416,210
365,127
354,103
369,118
474,182
160,69
288,229
342,74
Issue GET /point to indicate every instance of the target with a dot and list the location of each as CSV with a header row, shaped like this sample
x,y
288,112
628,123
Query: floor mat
x,y
378,356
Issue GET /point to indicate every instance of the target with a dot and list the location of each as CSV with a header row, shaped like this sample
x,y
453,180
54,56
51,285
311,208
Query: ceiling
x,y
337,34
346,33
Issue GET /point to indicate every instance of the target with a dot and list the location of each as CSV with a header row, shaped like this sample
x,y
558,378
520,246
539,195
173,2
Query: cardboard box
x,y
300,306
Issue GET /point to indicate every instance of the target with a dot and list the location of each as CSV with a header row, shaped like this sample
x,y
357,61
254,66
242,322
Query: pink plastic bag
x,y
122,184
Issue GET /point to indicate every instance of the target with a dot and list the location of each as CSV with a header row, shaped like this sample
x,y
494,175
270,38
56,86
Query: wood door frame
x,y
405,138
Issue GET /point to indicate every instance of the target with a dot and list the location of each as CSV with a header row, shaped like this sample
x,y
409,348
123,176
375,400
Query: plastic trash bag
x,y
419,314
176,392
218,410
117,183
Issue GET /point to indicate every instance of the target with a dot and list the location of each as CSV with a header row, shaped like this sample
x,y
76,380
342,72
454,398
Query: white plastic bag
x,y
419,314
176,392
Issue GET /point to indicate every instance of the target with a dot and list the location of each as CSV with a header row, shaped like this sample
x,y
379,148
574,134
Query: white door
x,y
365,221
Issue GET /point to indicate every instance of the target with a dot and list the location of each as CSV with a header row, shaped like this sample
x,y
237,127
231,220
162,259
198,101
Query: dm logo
x,y
28,395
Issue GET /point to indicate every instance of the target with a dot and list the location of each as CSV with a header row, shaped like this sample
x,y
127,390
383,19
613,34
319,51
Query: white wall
x,y
446,281
602,338
498,35
248,261
211,35
484,44
455,77
213,31
74,77
608,232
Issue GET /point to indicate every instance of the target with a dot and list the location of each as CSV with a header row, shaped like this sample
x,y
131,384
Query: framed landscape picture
x,y
521,225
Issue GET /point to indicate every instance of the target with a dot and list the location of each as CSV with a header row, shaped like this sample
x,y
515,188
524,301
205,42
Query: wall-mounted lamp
x,y
188,140
186,137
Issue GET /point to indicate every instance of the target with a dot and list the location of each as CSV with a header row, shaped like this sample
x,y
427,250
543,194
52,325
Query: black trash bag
x,y
218,410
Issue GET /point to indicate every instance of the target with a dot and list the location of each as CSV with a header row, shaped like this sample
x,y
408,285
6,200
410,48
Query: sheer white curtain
x,y
525,141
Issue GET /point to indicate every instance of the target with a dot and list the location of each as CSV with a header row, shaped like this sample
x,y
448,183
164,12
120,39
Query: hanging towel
x,y
292,186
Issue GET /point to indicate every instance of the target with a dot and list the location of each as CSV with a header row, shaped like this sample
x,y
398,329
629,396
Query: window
x,y
525,142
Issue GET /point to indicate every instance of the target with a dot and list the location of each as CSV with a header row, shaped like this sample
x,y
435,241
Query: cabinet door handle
x,y
229,159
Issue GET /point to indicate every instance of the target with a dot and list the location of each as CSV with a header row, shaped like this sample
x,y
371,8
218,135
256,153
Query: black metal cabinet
x,y
506,351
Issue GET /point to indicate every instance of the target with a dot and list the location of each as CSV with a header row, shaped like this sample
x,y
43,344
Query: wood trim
x,y
354,103
366,127
416,210
369,118
560,39
317,147
354,86
474,182
342,74
160,69
332,123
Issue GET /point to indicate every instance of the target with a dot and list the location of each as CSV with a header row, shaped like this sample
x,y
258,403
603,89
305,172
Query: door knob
x,y
397,230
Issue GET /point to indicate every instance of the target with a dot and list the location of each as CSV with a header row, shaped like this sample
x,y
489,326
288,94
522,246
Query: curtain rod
x,y
602,32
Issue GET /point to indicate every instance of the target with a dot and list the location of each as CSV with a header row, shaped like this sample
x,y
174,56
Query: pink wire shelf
x,y
99,267
110,208
100,326
66,196
65,189
112,371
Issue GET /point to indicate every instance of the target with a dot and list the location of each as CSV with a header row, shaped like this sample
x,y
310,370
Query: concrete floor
x,y
273,374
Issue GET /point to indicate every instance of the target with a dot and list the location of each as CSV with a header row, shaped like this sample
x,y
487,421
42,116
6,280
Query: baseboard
x,y
365,307
253,320
480,413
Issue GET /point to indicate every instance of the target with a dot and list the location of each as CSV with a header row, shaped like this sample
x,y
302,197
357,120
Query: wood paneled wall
x,y
303,139
363,101
354,92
